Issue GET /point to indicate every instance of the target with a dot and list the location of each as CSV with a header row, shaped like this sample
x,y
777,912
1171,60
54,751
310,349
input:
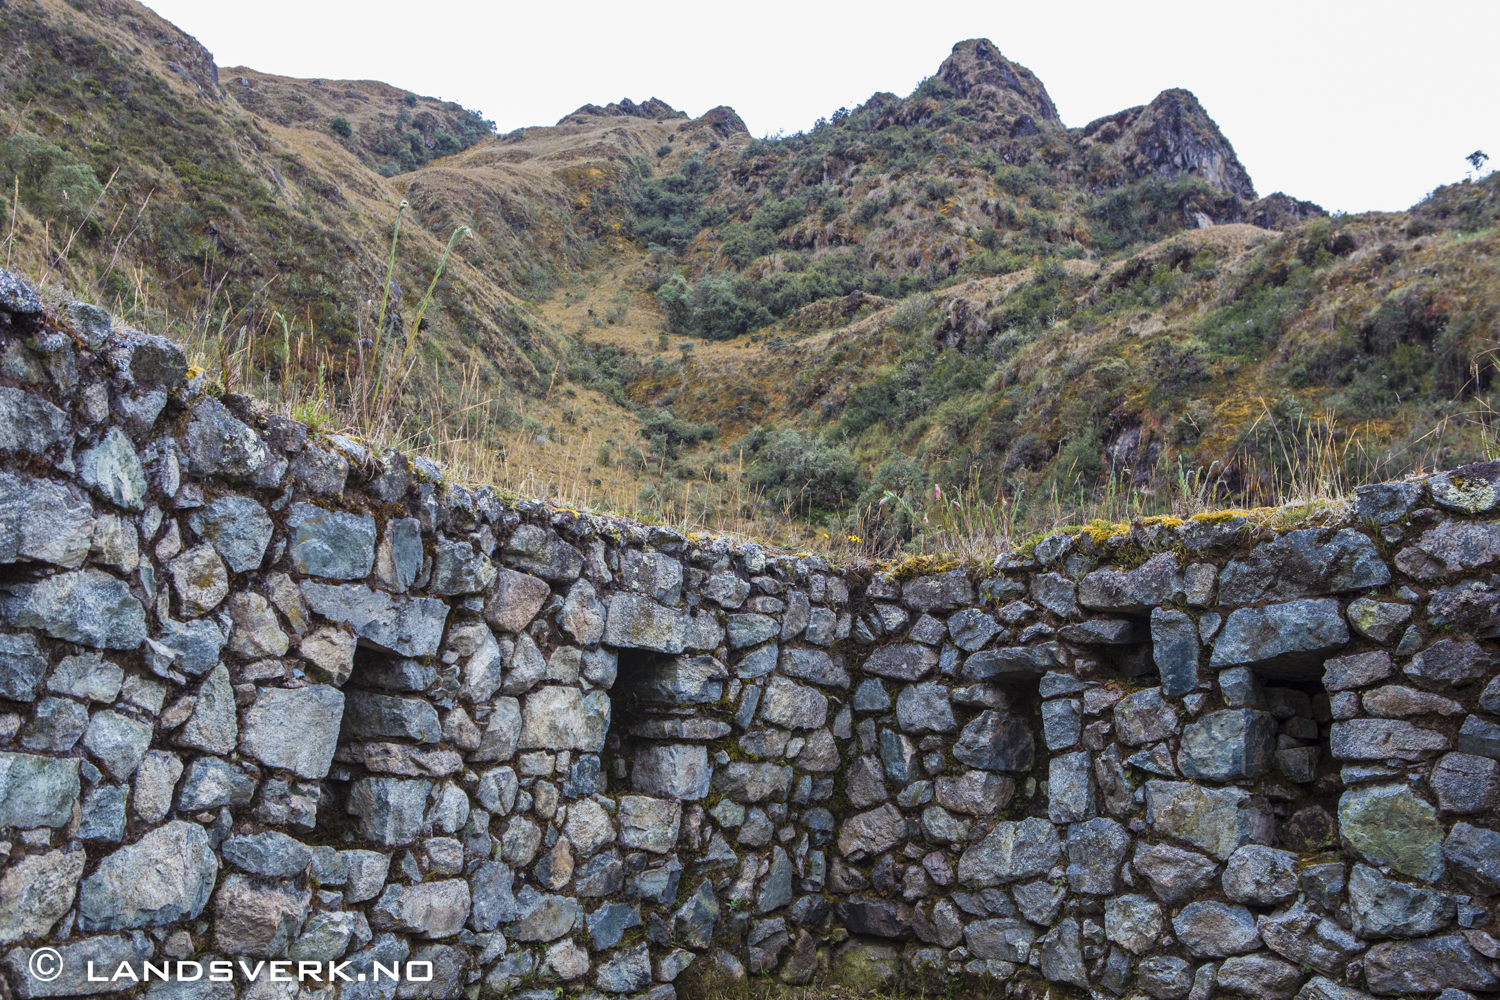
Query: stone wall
x,y
267,696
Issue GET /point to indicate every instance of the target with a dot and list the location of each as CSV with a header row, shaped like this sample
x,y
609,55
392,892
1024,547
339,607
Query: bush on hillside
x,y
341,127
410,148
887,526
53,183
1250,326
801,473
669,211
667,434
710,308
1152,209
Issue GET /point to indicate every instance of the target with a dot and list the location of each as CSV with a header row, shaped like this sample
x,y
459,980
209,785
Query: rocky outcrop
x,y
1171,137
626,108
977,71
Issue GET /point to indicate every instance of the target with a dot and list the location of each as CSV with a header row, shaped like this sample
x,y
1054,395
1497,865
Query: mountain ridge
x,y
927,288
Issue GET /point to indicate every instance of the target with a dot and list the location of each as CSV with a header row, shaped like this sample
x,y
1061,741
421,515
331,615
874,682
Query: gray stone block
x,y
118,742
431,910
1014,664
1261,876
258,917
164,877
238,528
635,621
458,569
1385,739
1427,965
1174,647
390,810
906,661
1282,640
673,771
1062,723
1217,820
1389,825
516,601
1465,783
86,606
1214,930
1071,796
539,551
1381,908
404,626
996,741
329,543
1237,743
1135,591
1096,849
21,667
1011,852
216,444
1302,564
41,521
925,707
271,854
212,783
1473,857
105,951
1146,717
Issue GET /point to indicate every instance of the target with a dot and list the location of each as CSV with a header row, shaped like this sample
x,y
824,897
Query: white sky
x,y
1356,106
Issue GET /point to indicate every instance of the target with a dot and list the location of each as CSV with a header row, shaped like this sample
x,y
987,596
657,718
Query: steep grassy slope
x,y
663,313
238,183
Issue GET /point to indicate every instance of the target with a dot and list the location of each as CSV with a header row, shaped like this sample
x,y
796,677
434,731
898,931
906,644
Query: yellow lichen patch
x,y
1219,516
1100,532
914,566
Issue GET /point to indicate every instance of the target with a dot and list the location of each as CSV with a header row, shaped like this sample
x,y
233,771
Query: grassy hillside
x,y
947,291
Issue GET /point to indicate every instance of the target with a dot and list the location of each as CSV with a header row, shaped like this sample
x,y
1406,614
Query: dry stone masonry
x,y
268,697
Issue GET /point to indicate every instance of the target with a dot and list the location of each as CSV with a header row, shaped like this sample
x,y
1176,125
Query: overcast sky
x,y
1353,105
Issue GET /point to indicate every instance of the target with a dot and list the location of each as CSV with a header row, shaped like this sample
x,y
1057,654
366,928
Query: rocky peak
x,y
653,108
1278,210
724,121
1171,137
977,71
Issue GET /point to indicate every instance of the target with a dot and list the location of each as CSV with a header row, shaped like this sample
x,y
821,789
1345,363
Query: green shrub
x,y
867,209
1022,180
1250,326
711,308
778,213
341,127
911,314
918,383
887,526
669,211
53,182
472,128
1079,464
1174,368
1152,209
936,191
667,434
803,474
